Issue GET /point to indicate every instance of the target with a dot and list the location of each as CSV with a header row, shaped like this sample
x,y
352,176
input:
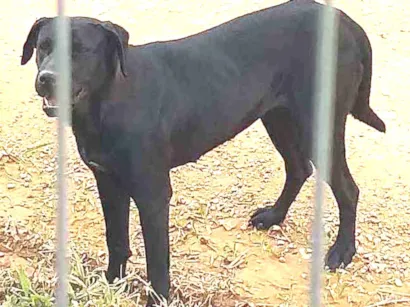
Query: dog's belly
x,y
212,129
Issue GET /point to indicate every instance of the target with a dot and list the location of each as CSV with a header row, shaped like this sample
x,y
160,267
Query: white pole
x,y
63,65
326,56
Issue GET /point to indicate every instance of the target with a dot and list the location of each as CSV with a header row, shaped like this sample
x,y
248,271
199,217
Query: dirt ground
x,y
214,197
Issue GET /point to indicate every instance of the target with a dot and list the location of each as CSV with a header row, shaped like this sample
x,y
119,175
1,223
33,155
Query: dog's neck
x,y
86,115
87,122
86,125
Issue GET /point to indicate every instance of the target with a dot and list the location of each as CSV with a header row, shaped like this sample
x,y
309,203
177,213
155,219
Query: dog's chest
x,y
89,142
92,159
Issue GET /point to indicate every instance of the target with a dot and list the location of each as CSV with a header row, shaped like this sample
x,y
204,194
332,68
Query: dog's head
x,y
97,48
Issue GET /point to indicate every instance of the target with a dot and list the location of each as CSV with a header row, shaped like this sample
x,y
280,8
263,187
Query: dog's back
x,y
245,66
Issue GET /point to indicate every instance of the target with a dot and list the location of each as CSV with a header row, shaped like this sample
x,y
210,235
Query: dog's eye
x,y
45,45
76,47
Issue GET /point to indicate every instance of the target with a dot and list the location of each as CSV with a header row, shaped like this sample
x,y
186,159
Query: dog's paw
x,y
110,276
264,218
113,275
341,253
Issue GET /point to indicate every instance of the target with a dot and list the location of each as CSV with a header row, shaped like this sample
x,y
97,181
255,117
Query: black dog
x,y
138,111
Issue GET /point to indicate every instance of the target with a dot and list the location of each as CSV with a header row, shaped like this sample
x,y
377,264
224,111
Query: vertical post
x,y
326,58
63,65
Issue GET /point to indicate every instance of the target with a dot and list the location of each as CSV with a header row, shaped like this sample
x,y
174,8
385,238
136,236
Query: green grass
x,y
87,286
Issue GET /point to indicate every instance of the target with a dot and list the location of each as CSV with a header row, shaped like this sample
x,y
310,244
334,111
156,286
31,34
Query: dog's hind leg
x,y
346,193
283,132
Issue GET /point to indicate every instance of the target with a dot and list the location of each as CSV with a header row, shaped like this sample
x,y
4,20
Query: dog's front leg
x,y
115,203
153,204
156,240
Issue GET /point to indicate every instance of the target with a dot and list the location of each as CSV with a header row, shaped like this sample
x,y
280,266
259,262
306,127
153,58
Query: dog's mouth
x,y
50,106
80,95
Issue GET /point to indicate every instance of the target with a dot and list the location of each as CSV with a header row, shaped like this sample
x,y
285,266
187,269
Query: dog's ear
x,y
31,41
120,38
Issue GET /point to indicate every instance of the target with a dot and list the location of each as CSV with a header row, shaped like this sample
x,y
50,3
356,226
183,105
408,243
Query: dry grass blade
x,y
10,176
390,302
11,156
29,150
394,293
237,261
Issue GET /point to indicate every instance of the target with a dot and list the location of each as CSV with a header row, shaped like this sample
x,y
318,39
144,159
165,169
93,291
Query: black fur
x,y
184,97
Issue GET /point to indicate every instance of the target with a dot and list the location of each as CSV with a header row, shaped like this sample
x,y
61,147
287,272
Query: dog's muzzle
x,y
50,106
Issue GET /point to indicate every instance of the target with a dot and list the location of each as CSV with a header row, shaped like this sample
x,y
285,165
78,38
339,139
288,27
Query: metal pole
x,y
326,56
63,65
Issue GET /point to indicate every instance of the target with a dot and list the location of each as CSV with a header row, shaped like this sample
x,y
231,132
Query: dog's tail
x,y
361,109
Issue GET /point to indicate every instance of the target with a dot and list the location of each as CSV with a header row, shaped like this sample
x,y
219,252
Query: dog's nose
x,y
47,78
46,82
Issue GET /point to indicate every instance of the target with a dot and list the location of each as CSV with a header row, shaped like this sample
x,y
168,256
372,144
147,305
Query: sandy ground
x,y
214,197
